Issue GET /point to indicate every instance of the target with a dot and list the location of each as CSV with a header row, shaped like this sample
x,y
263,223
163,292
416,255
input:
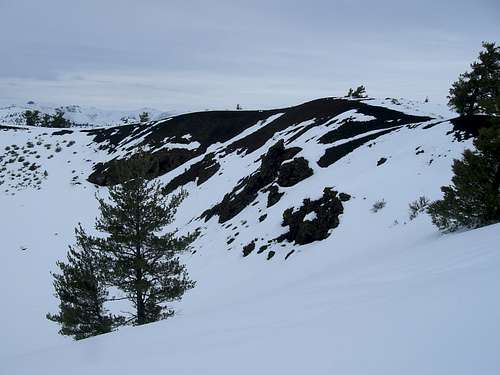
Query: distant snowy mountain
x,y
296,273
79,115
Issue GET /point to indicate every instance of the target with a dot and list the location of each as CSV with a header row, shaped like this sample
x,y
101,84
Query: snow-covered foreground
x,y
403,305
381,295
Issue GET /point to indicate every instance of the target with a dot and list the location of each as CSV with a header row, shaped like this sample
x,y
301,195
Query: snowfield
x,y
381,295
79,115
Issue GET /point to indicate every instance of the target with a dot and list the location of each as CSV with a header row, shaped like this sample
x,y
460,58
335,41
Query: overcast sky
x,y
192,55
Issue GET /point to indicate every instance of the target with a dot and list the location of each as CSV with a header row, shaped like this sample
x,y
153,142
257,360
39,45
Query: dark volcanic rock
x,y
160,163
247,249
325,210
336,153
262,249
274,195
293,172
247,189
381,161
321,111
199,172
344,197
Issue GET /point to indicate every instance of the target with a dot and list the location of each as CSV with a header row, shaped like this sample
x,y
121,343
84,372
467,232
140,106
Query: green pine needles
x,y
133,258
473,198
478,91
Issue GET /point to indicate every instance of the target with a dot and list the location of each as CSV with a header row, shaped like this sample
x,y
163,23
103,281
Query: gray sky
x,y
192,55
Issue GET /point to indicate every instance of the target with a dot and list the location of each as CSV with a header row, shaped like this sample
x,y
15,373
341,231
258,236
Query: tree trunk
x,y
141,313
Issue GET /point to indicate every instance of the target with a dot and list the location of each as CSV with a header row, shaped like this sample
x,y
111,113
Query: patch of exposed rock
x,y
313,220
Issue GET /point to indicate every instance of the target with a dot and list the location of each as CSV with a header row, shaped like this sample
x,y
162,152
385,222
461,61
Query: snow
x,y
310,216
381,295
80,115
353,115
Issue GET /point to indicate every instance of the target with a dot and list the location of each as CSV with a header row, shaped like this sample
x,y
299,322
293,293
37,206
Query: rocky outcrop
x,y
199,172
273,196
313,220
294,171
248,188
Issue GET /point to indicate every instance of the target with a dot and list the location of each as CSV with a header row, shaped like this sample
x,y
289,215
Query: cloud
x,y
198,54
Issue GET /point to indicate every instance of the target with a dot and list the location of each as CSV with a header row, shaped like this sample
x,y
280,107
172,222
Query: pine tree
x,y
141,263
133,257
478,91
82,294
58,120
32,118
359,93
473,199
144,117
46,120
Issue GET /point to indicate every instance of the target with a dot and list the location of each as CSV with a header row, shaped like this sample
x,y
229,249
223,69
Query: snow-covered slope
x,y
79,115
380,294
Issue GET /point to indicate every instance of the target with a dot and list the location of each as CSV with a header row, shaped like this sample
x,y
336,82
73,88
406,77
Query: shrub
x,y
378,205
418,206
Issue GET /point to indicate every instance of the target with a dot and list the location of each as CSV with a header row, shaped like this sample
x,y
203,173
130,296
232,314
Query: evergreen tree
x,y
82,294
141,263
473,199
359,93
32,118
144,117
133,257
478,91
46,120
58,120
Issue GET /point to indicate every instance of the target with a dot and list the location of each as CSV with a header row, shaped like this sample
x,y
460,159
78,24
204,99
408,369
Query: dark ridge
x,y
386,118
327,210
288,255
199,172
246,191
320,109
114,135
323,110
381,161
204,127
336,153
162,162
210,127
301,132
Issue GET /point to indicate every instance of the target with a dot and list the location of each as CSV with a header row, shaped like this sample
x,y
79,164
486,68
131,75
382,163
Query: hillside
x,y
78,115
280,288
